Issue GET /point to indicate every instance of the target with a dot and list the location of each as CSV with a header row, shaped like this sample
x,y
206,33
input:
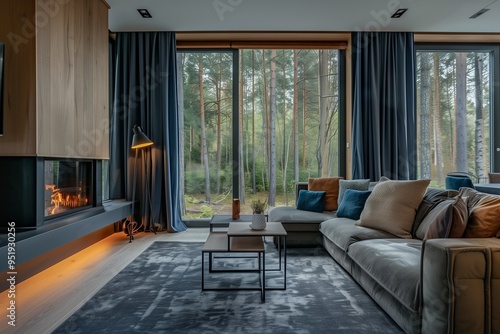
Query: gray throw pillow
x,y
352,184
446,220
432,198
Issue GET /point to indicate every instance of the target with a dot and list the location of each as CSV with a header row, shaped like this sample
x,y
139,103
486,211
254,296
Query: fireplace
x,y
68,186
42,191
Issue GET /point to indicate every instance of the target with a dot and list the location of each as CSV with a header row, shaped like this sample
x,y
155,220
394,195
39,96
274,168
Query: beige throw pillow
x,y
392,206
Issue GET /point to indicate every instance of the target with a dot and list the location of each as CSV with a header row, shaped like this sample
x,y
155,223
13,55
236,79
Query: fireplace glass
x,y
68,186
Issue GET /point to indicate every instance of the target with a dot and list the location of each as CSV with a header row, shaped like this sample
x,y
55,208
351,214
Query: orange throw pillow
x,y
484,218
330,185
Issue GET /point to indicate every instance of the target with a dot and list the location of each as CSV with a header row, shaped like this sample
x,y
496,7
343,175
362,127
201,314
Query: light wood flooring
x,y
45,300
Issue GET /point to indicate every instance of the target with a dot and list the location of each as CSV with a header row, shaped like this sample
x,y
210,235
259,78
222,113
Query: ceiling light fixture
x,y
399,13
482,11
479,13
144,13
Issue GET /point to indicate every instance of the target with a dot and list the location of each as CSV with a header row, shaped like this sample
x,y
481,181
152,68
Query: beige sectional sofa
x,y
426,284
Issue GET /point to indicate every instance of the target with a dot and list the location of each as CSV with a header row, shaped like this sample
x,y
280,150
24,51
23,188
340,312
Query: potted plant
x,y
258,217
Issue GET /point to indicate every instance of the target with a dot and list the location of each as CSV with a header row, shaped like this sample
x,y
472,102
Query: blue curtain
x,y
384,117
145,93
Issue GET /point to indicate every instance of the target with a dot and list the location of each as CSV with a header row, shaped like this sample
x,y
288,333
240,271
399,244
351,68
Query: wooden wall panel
x,y
72,65
16,31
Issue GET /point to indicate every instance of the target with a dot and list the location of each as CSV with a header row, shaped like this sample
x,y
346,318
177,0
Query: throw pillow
x,y
484,217
330,185
431,198
352,184
446,220
311,200
392,206
353,203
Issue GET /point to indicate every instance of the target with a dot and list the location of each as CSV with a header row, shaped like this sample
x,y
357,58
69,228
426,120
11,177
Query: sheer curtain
x,y
384,117
145,93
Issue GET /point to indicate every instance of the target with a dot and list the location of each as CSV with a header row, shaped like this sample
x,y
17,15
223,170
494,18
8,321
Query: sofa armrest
x,y
455,285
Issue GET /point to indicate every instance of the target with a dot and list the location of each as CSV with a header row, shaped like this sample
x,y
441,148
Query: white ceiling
x,y
304,15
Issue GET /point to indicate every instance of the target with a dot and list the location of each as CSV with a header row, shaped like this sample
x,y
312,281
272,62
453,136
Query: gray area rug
x,y
160,292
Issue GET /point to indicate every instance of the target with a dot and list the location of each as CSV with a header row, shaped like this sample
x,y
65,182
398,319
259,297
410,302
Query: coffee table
x,y
241,238
217,242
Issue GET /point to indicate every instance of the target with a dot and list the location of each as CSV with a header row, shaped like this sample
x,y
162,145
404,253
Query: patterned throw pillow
x,y
352,184
392,206
330,185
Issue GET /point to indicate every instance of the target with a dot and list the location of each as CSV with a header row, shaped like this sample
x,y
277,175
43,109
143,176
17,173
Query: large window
x,y
255,122
455,94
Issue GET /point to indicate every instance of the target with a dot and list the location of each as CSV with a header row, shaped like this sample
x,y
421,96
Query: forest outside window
x,y
455,111
287,109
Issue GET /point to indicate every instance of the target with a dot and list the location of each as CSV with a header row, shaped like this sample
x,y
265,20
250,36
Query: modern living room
x,y
364,133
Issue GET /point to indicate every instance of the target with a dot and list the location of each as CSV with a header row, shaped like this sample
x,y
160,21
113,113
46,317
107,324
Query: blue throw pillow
x,y
311,200
457,182
353,203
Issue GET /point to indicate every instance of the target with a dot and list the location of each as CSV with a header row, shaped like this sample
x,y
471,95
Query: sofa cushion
x,y
394,264
431,198
343,232
353,203
330,185
446,220
285,214
392,206
311,200
484,217
352,184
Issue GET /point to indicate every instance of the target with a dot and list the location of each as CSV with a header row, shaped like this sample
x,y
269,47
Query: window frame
x,y
342,142
494,50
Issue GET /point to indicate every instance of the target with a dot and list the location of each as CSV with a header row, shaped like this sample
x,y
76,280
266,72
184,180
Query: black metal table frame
x,y
281,266
261,255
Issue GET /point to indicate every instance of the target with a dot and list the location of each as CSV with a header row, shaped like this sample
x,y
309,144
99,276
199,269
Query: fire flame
x,y
63,201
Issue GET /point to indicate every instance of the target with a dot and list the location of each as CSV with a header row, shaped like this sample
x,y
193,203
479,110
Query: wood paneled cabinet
x,y
56,78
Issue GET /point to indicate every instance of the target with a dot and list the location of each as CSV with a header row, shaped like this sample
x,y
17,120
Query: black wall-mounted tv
x,y
2,74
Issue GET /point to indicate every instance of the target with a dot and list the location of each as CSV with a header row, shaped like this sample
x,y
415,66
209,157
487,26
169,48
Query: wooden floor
x,y
45,300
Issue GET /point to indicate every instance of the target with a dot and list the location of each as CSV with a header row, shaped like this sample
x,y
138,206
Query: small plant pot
x,y
258,222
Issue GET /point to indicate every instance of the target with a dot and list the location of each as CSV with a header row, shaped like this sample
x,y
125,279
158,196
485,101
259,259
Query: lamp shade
x,y
140,140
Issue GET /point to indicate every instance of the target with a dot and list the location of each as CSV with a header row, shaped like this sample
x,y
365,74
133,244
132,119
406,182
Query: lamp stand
x,y
132,224
151,224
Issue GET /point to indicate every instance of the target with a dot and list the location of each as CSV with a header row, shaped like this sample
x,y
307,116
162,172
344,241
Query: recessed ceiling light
x,y
399,13
144,13
479,13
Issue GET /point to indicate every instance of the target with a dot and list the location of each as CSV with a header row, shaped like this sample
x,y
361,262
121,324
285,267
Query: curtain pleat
x,y
145,93
384,119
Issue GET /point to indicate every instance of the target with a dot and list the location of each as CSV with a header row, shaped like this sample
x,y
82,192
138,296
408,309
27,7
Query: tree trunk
x,y
203,131
461,112
180,107
425,112
272,132
437,121
218,89
240,134
265,136
322,151
254,186
295,117
304,119
479,156
284,162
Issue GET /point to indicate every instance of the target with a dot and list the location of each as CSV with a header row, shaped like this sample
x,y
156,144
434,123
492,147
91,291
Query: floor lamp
x,y
139,142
